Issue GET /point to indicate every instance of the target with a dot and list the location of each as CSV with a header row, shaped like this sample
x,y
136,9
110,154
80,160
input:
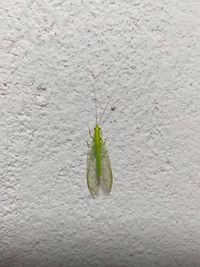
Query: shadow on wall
x,y
34,258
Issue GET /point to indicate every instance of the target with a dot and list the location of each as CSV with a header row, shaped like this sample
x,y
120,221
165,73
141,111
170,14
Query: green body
x,y
97,139
99,173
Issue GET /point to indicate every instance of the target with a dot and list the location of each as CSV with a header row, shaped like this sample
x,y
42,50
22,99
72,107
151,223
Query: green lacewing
x,y
98,169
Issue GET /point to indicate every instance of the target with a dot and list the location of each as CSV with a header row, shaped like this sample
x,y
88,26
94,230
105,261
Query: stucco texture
x,y
53,54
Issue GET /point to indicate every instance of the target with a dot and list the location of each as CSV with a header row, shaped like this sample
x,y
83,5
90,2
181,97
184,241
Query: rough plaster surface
x,y
52,54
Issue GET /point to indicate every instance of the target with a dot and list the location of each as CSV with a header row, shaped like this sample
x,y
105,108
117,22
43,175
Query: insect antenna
x,y
106,107
95,99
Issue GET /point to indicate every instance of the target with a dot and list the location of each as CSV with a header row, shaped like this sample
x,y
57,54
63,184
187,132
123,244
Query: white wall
x,y
52,54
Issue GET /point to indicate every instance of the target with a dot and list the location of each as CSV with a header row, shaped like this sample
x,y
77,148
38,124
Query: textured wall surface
x,y
52,54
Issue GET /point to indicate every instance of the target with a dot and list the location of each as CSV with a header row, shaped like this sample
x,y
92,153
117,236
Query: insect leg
x,y
87,142
90,134
105,140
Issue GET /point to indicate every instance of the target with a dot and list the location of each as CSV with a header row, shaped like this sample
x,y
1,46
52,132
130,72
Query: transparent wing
x,y
92,181
106,171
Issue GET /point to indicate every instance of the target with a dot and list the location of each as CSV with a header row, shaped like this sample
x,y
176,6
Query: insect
x,y
99,172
